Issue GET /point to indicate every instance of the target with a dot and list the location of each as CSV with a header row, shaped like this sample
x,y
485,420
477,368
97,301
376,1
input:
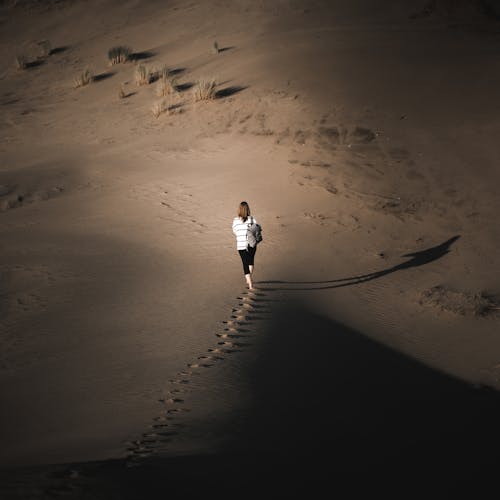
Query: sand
x,y
134,359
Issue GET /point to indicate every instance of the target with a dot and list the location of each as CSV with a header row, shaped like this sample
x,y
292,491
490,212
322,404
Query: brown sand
x,y
365,140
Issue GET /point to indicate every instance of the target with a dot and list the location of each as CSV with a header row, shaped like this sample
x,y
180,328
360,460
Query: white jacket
x,y
240,231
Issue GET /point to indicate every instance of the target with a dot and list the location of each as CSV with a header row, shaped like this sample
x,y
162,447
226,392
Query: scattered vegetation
x,y
84,78
121,92
158,108
463,303
21,62
204,90
167,84
143,75
45,48
163,106
119,54
215,48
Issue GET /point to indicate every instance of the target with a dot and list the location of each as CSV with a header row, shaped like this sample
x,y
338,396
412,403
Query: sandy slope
x,y
357,134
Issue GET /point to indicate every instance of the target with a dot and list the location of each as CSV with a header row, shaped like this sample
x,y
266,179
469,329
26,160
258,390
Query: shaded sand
x,y
335,411
364,138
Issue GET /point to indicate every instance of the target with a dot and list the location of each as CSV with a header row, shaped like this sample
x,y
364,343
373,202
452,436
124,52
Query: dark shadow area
x,y
224,49
58,50
417,259
129,94
35,64
140,56
176,71
228,91
335,410
103,76
184,86
332,411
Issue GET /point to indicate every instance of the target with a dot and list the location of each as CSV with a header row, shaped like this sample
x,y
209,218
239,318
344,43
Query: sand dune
x,y
364,138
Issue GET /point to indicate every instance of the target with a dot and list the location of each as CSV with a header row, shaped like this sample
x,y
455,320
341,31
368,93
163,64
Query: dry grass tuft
x,y
143,75
84,78
167,84
162,106
121,92
45,48
204,90
21,62
119,54
215,48
158,108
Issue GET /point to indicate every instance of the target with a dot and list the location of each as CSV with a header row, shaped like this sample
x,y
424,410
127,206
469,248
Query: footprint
x,y
233,322
174,400
179,381
200,365
230,336
238,317
178,410
177,391
214,358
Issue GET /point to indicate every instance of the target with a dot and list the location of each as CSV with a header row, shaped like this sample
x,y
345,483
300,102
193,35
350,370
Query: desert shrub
x,y
84,78
142,75
21,62
164,72
119,54
215,48
121,92
45,48
158,108
167,84
204,90
163,106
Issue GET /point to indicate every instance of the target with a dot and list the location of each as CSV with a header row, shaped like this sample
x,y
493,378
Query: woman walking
x,y
247,252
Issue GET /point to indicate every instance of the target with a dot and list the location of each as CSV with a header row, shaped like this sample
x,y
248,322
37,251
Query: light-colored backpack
x,y
254,233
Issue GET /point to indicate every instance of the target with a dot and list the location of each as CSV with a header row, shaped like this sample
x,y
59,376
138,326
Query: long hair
x,y
244,211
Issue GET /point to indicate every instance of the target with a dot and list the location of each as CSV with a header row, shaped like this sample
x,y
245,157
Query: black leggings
x,y
247,257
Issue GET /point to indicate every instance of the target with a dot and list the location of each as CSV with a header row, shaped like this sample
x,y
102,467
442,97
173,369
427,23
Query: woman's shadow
x,y
417,259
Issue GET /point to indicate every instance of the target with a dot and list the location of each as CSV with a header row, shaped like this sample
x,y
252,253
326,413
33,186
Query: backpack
x,y
254,233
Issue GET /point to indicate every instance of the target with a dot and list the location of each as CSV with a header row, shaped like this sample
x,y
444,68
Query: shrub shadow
x,y
103,76
35,64
228,91
140,56
58,50
184,86
176,71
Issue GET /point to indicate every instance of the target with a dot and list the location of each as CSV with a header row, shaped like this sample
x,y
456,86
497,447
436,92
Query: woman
x,y
247,253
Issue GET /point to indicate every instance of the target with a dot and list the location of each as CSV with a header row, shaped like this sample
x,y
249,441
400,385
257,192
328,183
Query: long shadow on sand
x,y
417,259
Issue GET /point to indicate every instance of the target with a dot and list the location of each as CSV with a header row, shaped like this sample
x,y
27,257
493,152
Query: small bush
x,y
204,90
215,48
158,108
119,54
164,72
21,62
167,85
121,92
45,48
84,78
143,75
163,107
